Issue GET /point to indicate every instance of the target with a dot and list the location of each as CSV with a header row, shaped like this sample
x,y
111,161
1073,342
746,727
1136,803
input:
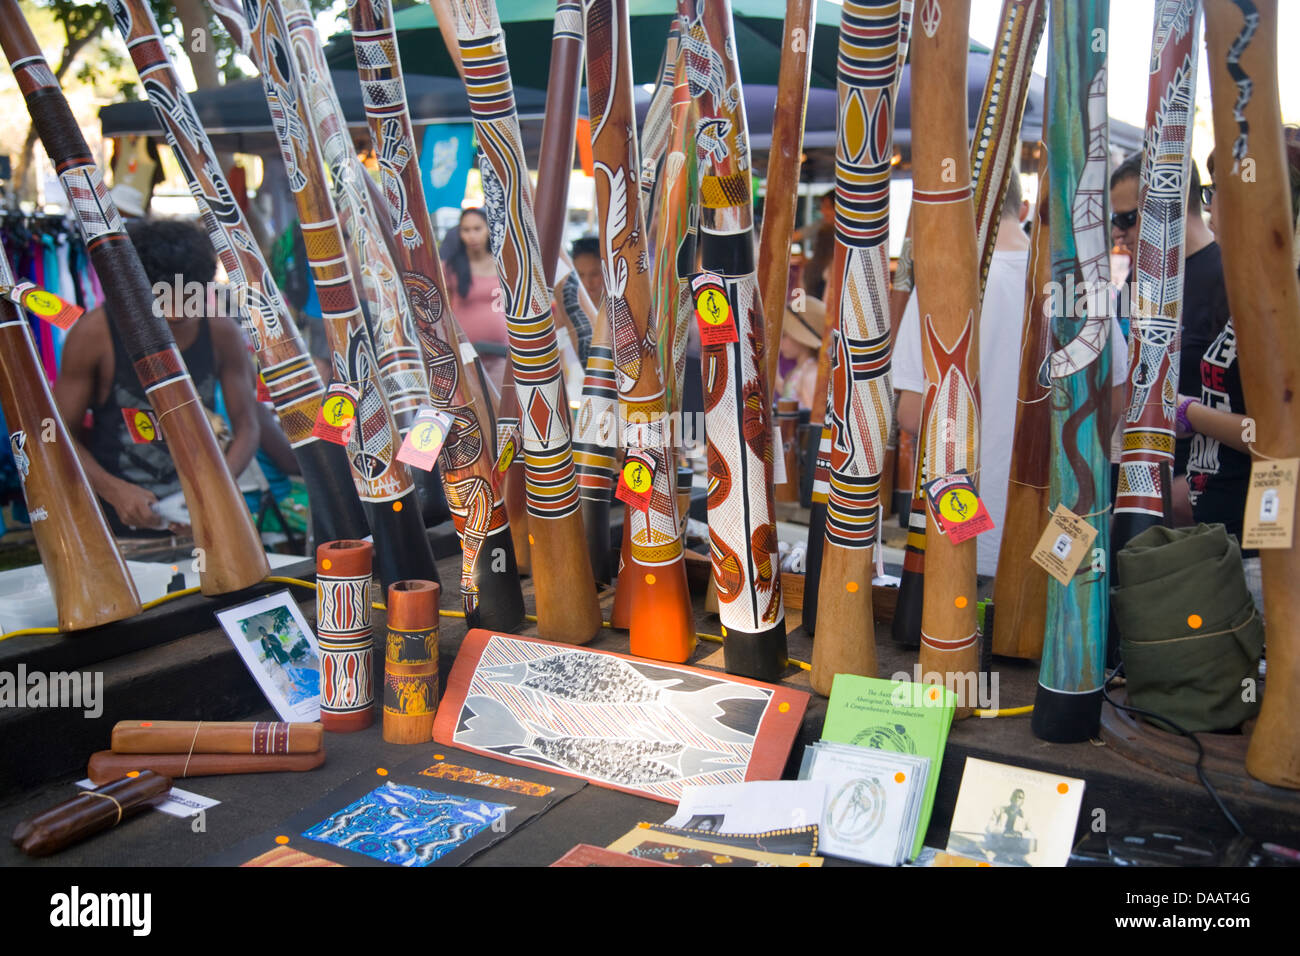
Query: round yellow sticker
x,y
638,477
958,505
507,456
338,410
144,426
44,304
427,437
712,307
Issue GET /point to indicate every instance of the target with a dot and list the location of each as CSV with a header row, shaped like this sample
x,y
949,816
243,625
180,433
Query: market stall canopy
x,y
237,118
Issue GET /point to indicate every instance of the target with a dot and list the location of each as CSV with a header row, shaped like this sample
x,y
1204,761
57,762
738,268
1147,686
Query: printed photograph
x,y
280,651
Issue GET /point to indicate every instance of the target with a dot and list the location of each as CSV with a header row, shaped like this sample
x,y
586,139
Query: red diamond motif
x,y
540,414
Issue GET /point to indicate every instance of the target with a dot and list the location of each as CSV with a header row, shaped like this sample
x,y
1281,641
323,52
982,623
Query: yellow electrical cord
x,y
1004,712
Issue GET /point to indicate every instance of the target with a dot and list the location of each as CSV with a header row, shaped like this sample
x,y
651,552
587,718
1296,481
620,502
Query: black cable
x,y
1200,750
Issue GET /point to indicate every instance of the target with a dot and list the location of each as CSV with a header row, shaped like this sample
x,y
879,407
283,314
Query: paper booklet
x,y
753,807
873,800
1011,816
893,715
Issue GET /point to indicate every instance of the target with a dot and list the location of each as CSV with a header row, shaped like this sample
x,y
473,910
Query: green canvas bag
x,y
1189,631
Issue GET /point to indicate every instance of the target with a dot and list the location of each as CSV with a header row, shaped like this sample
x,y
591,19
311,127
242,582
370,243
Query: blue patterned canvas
x,y
406,826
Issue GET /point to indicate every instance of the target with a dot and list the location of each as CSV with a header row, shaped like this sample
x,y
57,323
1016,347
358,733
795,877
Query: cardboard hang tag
x,y
636,482
142,425
337,414
424,441
1064,544
956,507
713,310
1270,504
508,442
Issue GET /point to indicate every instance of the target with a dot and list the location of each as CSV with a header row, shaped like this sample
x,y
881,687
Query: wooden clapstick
x,y
1256,231
215,737
230,548
947,283
89,812
347,694
411,662
106,765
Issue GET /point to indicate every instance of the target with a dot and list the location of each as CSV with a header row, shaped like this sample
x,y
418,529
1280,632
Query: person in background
x,y
801,342
1002,318
1125,183
476,295
586,262
97,376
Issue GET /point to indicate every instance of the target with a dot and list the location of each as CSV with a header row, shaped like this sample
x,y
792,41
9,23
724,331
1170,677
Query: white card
x,y
179,803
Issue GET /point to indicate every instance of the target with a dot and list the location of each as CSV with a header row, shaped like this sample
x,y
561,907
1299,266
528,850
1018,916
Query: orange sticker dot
x,y
397,506
175,569
282,840
783,707
983,863
1062,787
326,564
133,773
530,540
960,600
934,693
439,757
851,587
1194,621
643,826
724,632
649,579
146,723
803,864
900,777
381,771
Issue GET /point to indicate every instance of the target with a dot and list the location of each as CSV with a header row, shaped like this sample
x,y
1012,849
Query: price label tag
x,y
142,425
957,507
713,311
1270,504
508,442
1064,544
636,482
45,305
338,414
422,443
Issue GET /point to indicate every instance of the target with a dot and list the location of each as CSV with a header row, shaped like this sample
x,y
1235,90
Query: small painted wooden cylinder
x,y
347,690
411,662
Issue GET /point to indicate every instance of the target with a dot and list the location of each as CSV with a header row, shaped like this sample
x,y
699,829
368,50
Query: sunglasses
x,y
1124,220
1207,194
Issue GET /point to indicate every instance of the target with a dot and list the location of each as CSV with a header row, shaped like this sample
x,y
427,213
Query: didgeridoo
x,y
653,578
215,737
87,575
567,607
283,362
106,765
232,557
1258,262
947,287
860,407
489,577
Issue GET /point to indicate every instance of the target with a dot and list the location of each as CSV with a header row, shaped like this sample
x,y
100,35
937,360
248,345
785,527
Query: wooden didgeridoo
x,y
1067,707
595,441
860,408
343,630
1256,235
411,662
947,282
285,366
652,581
567,606
1020,594
784,160
230,550
215,737
87,575
656,130
737,401
89,812
384,484
489,578
106,765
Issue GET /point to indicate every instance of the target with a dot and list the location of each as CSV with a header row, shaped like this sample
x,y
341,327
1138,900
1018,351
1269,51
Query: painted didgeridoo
x,y
947,287
595,441
737,406
1067,707
283,362
860,408
1148,444
87,575
656,130
784,159
1020,594
567,607
411,662
489,577
383,483
230,548
89,812
343,630
1259,266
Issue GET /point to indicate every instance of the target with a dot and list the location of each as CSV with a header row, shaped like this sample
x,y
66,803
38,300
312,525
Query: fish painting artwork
x,y
407,826
617,721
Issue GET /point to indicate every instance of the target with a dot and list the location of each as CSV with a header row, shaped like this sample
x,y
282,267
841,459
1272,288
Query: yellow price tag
x,y
507,456
338,410
427,436
638,477
144,426
959,505
712,307
43,303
